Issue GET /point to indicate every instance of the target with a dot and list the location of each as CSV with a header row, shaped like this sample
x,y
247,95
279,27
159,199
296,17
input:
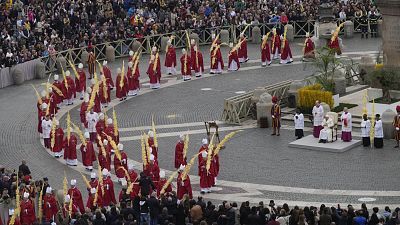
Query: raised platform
x,y
311,143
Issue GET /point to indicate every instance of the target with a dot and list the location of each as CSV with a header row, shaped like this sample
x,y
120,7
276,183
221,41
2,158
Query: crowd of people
x,y
167,209
32,29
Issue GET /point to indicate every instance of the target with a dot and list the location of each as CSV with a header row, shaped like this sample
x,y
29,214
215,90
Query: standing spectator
x,y
24,169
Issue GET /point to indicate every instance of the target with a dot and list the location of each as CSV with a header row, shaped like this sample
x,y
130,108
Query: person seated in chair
x,y
326,134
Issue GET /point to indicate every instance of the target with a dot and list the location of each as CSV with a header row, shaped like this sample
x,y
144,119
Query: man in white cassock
x,y
318,117
325,134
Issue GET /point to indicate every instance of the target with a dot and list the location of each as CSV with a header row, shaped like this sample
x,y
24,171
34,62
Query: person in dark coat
x,y
253,218
244,213
24,169
154,207
98,219
146,184
229,216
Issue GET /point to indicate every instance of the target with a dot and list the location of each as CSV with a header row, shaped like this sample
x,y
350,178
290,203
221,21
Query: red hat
x,y
398,108
274,99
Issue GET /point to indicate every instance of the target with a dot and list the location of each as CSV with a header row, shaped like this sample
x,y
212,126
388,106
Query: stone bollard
x,y
348,29
290,32
40,70
224,36
164,41
256,35
61,64
293,93
110,53
195,37
264,106
256,94
136,45
84,57
17,75
387,123
380,27
326,107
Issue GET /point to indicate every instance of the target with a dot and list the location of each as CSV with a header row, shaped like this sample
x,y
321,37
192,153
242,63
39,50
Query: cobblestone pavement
x,y
253,157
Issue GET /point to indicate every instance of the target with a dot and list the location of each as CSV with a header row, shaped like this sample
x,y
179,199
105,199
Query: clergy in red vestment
x,y
94,201
217,63
286,54
275,44
97,104
82,112
193,52
184,187
101,128
50,206
121,164
65,209
161,184
105,158
197,61
80,82
110,131
122,85
94,182
51,103
265,53
133,180
70,92
58,136
108,187
334,44
179,159
87,152
203,148
153,72
131,79
70,156
152,170
133,76
76,196
27,213
170,58
104,92
308,48
58,99
205,176
151,144
107,74
214,168
233,60
242,51
185,65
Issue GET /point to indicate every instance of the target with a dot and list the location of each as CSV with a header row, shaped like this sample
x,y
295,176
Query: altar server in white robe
x,y
378,140
365,131
298,124
318,114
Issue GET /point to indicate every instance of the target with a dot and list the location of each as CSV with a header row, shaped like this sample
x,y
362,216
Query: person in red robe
x,y
214,168
197,61
217,63
179,159
193,52
90,203
108,187
107,74
205,176
82,111
152,170
65,209
101,128
133,76
50,205
110,131
242,51
151,144
105,158
97,104
275,44
170,58
70,93
334,44
186,63
122,85
10,213
58,99
233,60
203,148
27,213
161,184
152,72
308,49
51,103
184,187
265,53
80,81
57,149
76,196
131,79
70,156
104,92
87,152
286,54
121,165
133,179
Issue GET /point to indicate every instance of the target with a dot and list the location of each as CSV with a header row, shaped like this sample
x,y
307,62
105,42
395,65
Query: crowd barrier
x,y
122,47
27,70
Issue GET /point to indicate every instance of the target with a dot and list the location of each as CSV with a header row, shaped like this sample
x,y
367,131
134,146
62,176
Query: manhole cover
x,y
367,199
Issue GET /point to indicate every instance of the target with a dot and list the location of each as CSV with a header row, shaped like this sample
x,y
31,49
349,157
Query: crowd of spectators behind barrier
x,y
36,28
169,211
